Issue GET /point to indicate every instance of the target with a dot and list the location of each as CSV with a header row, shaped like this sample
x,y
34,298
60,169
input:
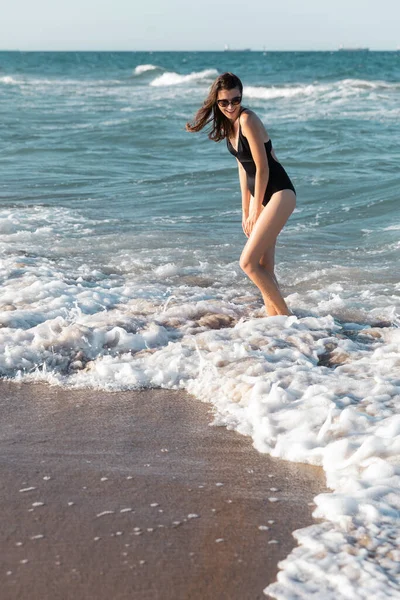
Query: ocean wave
x,y
172,78
340,88
140,69
45,82
371,84
8,80
392,227
270,93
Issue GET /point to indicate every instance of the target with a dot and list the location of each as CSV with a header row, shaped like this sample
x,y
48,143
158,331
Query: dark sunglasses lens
x,y
225,103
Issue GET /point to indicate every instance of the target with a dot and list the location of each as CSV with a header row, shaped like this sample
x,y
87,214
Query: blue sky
x,y
206,25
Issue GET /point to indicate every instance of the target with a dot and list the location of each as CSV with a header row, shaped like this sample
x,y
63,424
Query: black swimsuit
x,y
278,178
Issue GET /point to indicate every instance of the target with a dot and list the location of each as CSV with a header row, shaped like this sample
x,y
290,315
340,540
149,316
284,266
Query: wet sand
x,y
132,495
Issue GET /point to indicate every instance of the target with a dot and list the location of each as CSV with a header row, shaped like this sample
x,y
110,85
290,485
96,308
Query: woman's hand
x,y
251,220
245,216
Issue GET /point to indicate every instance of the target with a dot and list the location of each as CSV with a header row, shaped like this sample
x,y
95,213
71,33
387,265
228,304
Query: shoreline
x,y
132,494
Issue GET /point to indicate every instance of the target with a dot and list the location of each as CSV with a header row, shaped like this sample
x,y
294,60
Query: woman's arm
x,y
254,131
244,189
245,198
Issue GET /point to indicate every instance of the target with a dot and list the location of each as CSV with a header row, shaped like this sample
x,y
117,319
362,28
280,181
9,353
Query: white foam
x,y
392,227
346,97
334,89
8,80
172,78
144,69
269,93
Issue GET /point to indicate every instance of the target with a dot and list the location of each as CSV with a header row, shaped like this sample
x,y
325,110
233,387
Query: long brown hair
x,y
210,112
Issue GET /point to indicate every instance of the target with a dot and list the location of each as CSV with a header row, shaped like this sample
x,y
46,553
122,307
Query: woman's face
x,y
232,110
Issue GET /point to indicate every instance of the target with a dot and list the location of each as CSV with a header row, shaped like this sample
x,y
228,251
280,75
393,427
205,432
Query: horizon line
x,y
234,50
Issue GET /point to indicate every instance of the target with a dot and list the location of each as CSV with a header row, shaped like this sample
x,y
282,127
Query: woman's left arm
x,y
254,131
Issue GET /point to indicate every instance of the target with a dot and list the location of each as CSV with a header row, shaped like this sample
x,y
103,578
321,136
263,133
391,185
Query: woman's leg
x,y
267,261
261,244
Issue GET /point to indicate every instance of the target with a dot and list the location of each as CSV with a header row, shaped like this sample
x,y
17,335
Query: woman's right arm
x,y
245,195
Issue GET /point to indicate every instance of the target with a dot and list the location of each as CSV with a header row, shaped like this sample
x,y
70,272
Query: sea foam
x,y
172,78
144,69
8,80
341,88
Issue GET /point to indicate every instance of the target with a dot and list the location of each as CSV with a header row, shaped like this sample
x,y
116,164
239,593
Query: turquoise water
x,y
120,238
100,180
85,132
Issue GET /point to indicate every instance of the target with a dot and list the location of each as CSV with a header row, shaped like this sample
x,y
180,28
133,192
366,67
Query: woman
x,y
268,195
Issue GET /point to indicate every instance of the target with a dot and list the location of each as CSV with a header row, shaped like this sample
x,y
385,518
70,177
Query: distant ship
x,y
344,49
228,49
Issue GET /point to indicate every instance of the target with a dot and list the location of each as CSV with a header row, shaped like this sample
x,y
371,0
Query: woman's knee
x,y
248,263
251,260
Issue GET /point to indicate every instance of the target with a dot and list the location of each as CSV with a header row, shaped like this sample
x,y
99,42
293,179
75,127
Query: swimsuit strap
x,y
268,144
241,111
240,134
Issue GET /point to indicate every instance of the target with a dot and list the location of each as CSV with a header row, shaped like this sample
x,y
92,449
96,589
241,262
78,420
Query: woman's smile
x,y
231,111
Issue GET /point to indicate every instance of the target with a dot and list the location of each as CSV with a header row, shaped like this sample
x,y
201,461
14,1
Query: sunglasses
x,y
225,103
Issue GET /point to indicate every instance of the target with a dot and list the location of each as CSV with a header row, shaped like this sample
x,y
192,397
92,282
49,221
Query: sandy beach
x,y
133,495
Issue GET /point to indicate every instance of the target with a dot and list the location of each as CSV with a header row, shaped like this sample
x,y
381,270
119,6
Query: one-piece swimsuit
x,y
278,178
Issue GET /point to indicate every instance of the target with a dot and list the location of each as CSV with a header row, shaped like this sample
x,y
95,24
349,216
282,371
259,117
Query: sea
x,y
120,237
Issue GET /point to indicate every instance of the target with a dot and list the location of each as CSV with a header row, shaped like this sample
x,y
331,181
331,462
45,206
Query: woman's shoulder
x,y
248,118
246,114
